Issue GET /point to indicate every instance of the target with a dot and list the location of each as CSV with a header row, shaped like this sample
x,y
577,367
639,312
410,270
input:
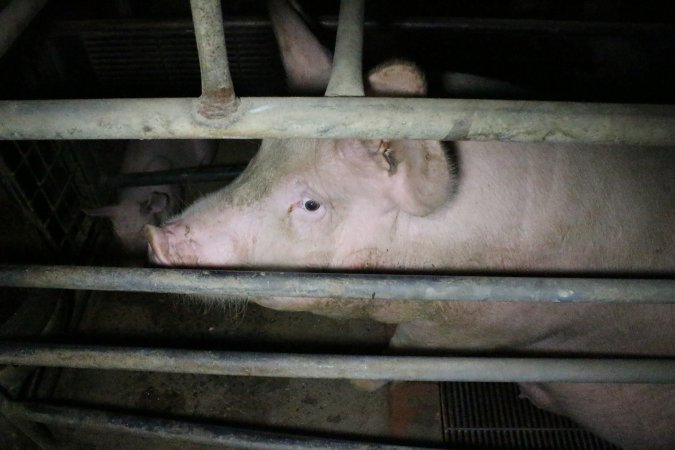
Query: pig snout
x,y
180,243
158,245
172,244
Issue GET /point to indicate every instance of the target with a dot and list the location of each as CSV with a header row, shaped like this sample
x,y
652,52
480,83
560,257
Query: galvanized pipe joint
x,y
218,98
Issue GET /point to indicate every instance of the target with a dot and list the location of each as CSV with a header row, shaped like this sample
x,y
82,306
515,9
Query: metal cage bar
x,y
219,114
218,96
346,78
342,117
251,284
392,368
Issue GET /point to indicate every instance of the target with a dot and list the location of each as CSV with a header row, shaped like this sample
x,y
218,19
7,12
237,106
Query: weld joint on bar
x,y
218,99
218,104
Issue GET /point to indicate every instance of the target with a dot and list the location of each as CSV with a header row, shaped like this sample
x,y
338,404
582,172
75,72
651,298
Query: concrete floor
x,y
410,412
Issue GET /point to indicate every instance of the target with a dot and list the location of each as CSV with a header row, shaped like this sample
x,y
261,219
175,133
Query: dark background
x,y
593,50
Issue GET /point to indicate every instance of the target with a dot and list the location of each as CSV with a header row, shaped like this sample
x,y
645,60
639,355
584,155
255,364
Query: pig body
x,y
141,205
466,207
510,207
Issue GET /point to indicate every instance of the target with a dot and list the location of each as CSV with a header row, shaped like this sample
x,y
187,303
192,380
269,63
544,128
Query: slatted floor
x,y
490,416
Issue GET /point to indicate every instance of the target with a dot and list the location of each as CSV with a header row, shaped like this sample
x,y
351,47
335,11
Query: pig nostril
x,y
157,245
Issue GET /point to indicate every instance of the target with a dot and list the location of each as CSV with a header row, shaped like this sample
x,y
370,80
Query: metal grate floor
x,y
491,416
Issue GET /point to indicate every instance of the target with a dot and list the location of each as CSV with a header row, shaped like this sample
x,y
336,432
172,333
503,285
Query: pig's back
x,y
563,208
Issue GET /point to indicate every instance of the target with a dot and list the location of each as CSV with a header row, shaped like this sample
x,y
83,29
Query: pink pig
x,y
138,206
468,206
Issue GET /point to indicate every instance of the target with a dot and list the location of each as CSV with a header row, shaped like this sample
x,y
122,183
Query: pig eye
x,y
310,205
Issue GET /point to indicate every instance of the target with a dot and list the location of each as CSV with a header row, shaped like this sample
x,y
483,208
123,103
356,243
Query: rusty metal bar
x,y
174,430
288,365
218,98
334,117
346,79
14,18
252,284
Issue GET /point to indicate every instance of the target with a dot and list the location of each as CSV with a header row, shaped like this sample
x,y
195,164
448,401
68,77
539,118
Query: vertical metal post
x,y
218,98
346,78
14,18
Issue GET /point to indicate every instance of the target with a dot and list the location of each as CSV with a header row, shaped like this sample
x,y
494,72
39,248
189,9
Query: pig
x,y
142,205
427,206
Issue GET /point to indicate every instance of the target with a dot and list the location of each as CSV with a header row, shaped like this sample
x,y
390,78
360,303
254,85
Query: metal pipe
x,y
341,286
14,18
218,98
342,117
177,176
394,368
346,78
174,430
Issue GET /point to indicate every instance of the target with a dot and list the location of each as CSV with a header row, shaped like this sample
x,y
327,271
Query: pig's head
x,y
305,203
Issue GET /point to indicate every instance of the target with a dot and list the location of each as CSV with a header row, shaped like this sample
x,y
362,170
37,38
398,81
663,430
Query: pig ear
x,y
158,202
104,211
420,177
397,79
307,63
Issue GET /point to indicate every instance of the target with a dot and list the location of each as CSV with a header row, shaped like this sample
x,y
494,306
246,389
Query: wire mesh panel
x,y
490,415
53,181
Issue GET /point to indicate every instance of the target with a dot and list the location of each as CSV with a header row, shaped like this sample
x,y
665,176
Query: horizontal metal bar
x,y
342,117
178,431
341,286
346,78
14,18
288,365
176,176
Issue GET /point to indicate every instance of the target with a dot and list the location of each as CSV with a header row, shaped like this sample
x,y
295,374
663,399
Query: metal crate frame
x,y
219,113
